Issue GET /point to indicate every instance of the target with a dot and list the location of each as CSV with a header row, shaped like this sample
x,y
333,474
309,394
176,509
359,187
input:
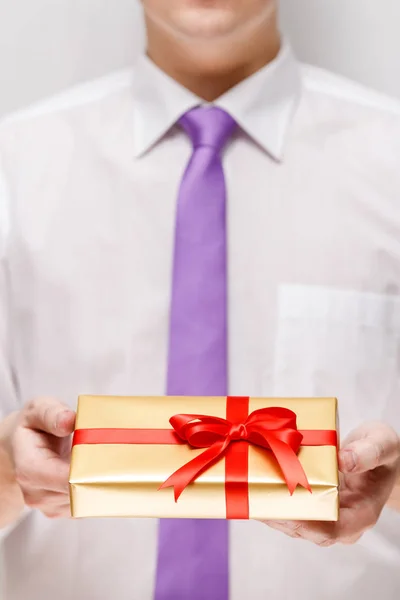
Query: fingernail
x,y
350,460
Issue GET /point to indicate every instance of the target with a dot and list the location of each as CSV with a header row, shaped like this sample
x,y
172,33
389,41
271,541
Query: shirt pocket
x,y
341,343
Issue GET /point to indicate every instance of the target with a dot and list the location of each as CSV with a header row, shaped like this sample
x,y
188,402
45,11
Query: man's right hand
x,y
40,447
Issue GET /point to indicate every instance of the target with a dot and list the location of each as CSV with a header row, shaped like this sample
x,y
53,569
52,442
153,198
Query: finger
x,y
44,471
353,522
61,512
377,446
350,541
322,534
356,520
43,500
50,416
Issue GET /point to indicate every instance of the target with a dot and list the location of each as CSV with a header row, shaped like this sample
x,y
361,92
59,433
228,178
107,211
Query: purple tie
x,y
193,554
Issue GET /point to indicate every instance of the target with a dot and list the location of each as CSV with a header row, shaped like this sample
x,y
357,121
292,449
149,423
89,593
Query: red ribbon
x,y
273,429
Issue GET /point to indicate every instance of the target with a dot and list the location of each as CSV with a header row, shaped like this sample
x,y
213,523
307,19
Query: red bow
x,y
274,429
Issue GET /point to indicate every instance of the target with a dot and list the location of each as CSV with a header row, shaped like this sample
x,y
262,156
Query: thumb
x,y
50,416
378,446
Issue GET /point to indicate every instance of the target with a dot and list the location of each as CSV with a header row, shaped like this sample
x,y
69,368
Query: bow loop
x,y
274,429
200,431
273,418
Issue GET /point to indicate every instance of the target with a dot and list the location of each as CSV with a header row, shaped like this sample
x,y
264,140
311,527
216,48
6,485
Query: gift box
x,y
205,457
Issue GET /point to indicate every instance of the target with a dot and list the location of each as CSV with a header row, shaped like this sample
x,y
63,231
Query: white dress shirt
x,y
89,188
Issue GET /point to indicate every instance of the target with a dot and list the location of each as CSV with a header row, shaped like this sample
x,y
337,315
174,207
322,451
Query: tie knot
x,y
208,126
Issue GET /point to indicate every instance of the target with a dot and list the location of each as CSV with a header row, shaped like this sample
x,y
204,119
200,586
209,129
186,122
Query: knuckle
x,y
30,406
32,501
379,450
39,408
330,538
50,515
58,513
297,530
327,542
46,416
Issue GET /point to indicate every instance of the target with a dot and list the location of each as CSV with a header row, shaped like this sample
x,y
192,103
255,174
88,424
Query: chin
x,y
208,19
210,24
204,20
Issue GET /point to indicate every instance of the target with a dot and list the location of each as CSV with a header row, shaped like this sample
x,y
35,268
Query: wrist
x,y
11,499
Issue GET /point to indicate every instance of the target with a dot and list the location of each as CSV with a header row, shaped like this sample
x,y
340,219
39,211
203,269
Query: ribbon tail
x,y
191,470
290,465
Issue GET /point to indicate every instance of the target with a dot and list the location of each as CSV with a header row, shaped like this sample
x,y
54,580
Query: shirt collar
x,y
262,104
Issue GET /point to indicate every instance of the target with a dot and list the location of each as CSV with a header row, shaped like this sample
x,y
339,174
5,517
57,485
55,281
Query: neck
x,y
209,69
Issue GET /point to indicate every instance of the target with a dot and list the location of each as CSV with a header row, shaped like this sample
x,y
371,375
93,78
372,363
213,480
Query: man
x,y
306,168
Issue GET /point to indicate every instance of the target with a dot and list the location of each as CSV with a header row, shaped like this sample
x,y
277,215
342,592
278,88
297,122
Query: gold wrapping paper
x,y
123,480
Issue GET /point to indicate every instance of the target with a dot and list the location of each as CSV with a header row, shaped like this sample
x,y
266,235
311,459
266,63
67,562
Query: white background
x,y
47,45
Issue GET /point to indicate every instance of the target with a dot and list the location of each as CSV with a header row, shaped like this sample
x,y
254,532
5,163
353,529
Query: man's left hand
x,y
370,469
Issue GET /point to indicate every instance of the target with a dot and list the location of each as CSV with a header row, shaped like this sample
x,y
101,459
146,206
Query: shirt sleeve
x,y
8,393
8,389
